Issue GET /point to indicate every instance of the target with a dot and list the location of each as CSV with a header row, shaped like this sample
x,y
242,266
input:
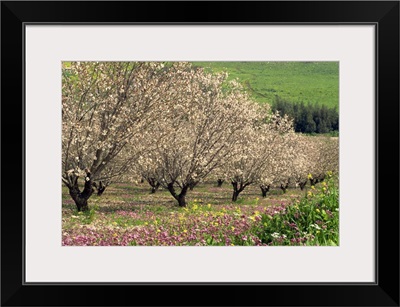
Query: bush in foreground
x,y
313,220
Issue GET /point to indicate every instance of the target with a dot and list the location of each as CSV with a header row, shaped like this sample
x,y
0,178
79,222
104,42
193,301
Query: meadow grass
x,y
314,82
120,218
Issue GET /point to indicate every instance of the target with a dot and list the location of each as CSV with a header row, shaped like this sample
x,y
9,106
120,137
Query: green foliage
x,y
316,82
310,118
314,220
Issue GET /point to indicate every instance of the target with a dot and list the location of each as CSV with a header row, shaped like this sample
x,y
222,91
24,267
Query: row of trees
x,y
309,118
176,125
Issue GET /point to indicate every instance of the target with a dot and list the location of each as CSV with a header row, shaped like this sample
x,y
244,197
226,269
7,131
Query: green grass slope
x,y
315,82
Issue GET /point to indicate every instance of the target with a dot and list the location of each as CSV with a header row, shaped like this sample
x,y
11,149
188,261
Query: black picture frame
x,y
383,14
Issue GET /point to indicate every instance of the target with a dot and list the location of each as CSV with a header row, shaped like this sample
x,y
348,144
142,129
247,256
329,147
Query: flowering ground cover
x,y
128,215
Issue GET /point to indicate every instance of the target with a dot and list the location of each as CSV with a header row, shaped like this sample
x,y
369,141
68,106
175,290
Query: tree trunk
x,y
264,190
81,198
155,188
220,182
101,188
192,185
154,184
181,198
236,191
302,185
235,195
284,187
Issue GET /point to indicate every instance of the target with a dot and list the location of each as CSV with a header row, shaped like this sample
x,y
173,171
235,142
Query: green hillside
x,y
315,82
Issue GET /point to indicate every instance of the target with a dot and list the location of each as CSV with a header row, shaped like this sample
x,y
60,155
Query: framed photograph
x,y
240,153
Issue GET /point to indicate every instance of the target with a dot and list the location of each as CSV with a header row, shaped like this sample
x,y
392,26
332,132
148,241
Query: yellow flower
x,y
317,210
185,231
312,187
233,228
114,235
209,206
309,176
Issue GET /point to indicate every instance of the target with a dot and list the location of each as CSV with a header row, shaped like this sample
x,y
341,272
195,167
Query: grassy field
x,y
315,82
128,214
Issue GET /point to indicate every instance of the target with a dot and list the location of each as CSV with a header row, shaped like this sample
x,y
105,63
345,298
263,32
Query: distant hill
x,y
308,82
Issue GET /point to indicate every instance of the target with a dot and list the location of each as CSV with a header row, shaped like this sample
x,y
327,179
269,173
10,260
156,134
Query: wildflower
x,y
317,210
312,187
209,206
309,176
275,235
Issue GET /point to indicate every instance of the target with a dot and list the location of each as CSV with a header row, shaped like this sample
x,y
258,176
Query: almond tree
x,y
324,157
260,150
199,129
302,159
105,108
278,170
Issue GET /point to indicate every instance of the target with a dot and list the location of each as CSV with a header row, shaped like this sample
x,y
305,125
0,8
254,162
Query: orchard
x,y
170,153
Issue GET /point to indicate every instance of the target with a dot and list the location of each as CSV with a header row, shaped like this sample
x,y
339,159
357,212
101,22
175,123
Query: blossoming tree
x,y
198,131
105,108
258,151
